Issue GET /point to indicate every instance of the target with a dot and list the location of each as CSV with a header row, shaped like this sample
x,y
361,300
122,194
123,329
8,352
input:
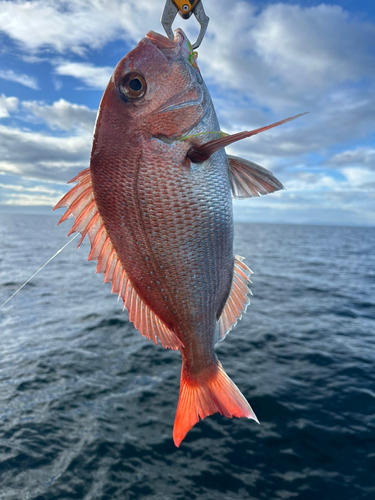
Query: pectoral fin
x,y
249,179
201,152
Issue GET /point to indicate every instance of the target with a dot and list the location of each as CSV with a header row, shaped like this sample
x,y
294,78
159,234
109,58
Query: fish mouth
x,y
160,41
179,44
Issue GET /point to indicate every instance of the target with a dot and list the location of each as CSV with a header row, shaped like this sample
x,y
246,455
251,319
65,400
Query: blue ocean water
x,y
87,404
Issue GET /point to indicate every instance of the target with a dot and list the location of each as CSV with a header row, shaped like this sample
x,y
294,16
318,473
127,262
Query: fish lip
x,y
160,41
163,42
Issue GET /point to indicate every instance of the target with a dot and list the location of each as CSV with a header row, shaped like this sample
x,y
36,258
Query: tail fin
x,y
198,398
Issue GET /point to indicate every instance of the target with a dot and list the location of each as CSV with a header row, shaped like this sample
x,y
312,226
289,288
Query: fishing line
x,y
43,266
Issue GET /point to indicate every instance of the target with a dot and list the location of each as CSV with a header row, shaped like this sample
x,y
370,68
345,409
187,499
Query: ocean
x,y
87,404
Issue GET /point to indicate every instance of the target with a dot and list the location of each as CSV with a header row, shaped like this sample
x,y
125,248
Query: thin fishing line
x,y
43,266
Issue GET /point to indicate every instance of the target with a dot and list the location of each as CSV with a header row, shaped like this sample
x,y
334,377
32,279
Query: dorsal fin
x,y
248,179
82,206
237,301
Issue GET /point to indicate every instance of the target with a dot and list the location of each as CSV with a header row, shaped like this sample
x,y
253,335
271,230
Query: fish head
x,y
156,89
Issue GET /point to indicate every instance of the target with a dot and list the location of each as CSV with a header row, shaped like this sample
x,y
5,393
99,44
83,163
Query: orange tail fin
x,y
198,398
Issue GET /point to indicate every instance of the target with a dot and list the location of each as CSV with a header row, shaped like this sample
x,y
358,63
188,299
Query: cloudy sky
x,y
263,61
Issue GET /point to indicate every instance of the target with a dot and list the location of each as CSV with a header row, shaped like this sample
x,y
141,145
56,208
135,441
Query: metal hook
x,y
185,8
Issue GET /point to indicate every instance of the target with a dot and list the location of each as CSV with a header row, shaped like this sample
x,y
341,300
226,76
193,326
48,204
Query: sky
x,y
262,61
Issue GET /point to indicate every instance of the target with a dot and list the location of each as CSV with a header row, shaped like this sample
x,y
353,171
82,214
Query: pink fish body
x,y
160,224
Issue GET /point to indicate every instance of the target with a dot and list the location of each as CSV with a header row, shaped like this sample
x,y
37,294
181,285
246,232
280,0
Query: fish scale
x,y
188,242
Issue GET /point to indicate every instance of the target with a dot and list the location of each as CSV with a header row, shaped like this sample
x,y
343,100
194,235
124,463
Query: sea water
x,y
87,404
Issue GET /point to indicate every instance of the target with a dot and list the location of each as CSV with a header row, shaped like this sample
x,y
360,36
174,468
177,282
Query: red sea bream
x,y
156,204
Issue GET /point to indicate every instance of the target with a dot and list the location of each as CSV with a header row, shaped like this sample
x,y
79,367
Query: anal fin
x,y
237,301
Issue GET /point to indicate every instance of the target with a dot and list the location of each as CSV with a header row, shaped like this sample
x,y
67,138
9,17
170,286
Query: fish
x,y
156,205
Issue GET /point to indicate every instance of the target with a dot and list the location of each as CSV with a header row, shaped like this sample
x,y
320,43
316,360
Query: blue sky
x,y
263,61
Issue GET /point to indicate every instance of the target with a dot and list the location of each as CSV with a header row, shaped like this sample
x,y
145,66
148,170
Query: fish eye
x,y
133,85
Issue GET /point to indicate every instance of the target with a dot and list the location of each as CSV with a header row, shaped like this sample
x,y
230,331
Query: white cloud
x,y
317,132
33,189
315,46
12,76
361,178
18,199
287,54
26,195
7,104
75,25
355,157
346,179
63,115
310,181
92,76
309,207
42,156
